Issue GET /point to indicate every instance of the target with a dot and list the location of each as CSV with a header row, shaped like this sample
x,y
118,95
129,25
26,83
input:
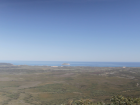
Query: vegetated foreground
x,y
43,85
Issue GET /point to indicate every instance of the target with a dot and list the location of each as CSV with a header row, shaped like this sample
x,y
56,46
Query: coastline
x,y
74,64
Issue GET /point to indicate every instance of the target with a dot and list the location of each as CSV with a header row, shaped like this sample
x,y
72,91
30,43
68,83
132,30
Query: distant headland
x,y
7,64
65,64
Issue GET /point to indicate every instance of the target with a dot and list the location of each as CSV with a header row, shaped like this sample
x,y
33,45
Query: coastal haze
x,y
74,63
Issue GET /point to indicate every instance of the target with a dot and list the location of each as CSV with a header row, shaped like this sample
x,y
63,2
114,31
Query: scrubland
x,y
44,85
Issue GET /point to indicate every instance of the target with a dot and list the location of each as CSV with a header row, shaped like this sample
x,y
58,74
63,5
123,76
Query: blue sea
x,y
90,64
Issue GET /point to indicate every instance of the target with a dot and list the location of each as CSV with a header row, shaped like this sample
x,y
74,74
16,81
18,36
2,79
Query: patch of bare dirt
x,y
6,79
29,84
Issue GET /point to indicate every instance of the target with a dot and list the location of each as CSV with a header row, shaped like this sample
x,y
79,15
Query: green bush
x,y
121,100
115,100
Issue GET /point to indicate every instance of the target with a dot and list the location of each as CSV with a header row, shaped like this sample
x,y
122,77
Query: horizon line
x,y
64,61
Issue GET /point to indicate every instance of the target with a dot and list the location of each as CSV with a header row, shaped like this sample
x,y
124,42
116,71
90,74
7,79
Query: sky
x,y
70,30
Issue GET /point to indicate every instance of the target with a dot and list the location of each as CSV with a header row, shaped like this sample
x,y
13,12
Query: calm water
x,y
59,63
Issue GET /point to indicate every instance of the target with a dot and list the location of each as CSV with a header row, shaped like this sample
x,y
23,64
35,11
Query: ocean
x,y
74,63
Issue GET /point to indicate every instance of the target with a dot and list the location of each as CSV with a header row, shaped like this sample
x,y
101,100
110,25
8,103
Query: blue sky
x,y
70,30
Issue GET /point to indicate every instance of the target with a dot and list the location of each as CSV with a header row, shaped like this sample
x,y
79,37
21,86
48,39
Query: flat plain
x,y
45,85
